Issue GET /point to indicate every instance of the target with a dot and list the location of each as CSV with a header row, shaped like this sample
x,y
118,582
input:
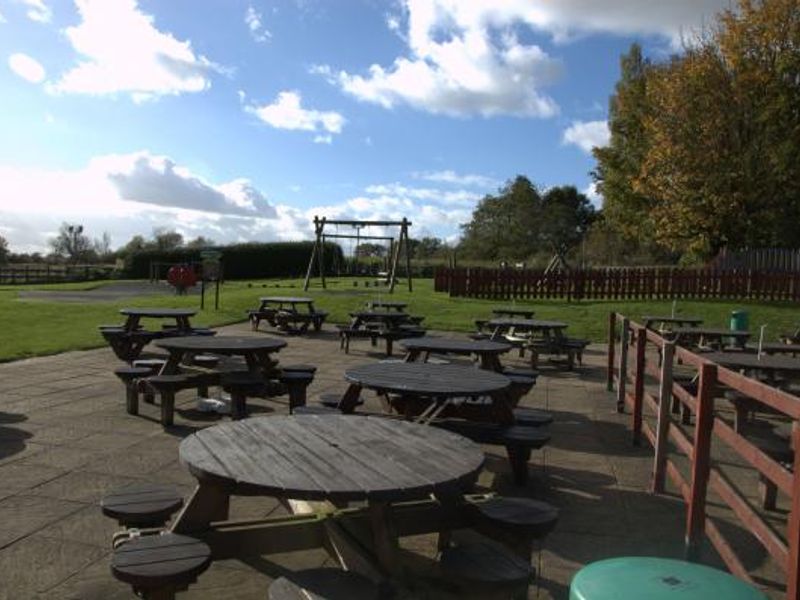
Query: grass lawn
x,y
31,327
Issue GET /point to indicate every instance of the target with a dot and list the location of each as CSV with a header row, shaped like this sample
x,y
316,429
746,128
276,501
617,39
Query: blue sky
x,y
240,120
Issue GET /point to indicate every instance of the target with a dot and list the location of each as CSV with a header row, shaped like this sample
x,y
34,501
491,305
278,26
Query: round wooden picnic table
x,y
181,316
254,349
488,351
332,457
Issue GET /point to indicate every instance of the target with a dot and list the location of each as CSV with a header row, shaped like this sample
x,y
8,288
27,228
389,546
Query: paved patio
x,y
65,441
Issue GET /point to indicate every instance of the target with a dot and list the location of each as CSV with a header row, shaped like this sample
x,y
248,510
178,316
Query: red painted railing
x,y
631,283
634,354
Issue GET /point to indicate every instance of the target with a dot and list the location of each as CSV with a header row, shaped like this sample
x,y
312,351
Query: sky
x,y
240,120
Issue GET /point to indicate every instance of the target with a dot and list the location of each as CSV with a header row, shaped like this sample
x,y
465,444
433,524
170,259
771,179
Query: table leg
x,y
411,356
502,408
348,402
384,536
131,323
207,503
172,366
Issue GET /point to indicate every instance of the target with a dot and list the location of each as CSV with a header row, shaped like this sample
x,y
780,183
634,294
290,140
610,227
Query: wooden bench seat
x,y
142,504
241,385
478,564
299,322
519,440
532,417
323,584
303,368
167,385
296,383
255,316
130,376
158,566
519,515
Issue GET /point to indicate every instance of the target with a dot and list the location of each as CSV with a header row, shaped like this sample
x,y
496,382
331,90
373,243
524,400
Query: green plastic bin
x,y
640,578
740,320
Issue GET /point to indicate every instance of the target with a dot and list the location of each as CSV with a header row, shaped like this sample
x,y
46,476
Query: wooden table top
x,y
158,313
379,314
455,345
386,304
332,457
778,348
286,300
675,319
514,311
527,323
222,344
423,379
709,331
745,360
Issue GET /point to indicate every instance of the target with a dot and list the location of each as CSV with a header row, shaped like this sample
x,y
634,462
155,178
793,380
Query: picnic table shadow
x,y
12,439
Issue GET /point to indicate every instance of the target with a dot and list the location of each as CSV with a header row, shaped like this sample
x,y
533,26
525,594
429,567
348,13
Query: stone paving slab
x,y
65,440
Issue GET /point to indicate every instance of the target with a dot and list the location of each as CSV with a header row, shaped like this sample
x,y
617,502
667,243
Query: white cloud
x,y
37,11
123,52
255,25
3,19
26,67
323,139
591,192
287,113
451,177
587,134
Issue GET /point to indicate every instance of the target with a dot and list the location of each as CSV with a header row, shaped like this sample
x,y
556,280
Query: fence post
x,y
793,526
622,379
638,385
612,341
701,461
662,427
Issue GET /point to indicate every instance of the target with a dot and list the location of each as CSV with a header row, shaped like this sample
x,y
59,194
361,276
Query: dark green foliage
x,y
240,261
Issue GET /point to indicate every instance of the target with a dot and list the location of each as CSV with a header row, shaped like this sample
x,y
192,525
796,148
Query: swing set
x,y
396,246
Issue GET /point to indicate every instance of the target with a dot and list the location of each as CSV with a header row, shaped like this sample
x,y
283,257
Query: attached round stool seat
x,y
128,374
299,368
657,579
323,584
165,562
332,400
532,417
483,563
532,517
153,364
142,505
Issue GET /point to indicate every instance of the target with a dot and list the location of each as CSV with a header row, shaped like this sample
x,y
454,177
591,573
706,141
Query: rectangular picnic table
x,y
288,313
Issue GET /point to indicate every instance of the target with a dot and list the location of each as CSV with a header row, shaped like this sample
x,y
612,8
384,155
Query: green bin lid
x,y
657,579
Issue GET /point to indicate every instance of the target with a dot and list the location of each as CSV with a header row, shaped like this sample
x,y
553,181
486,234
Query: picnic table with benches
x,y
514,312
129,339
539,337
287,313
705,338
397,305
388,325
454,393
487,351
406,478
666,323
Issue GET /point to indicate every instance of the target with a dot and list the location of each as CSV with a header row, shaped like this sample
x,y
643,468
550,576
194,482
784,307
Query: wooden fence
x,y
625,283
647,348
21,274
760,259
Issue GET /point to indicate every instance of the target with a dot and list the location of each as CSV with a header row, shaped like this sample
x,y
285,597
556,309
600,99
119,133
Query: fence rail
x,y
18,275
626,283
655,358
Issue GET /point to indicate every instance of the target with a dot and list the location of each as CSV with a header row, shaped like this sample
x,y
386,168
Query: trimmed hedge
x,y
240,261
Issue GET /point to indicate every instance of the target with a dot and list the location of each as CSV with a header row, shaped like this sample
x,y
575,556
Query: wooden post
x,y
396,258
793,526
701,461
622,379
638,385
321,254
662,427
612,340
408,254
317,241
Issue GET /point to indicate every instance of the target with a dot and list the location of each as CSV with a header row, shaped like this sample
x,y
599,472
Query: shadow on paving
x,y
12,440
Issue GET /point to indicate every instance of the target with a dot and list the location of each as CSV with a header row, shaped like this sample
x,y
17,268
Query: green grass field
x,y
31,327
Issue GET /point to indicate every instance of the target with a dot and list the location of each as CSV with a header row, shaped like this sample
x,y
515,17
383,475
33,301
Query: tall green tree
x,y
71,243
505,226
566,217
619,163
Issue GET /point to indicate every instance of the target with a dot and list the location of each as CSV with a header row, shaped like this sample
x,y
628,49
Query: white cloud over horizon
x,y
287,112
122,51
37,10
587,135
26,67
131,194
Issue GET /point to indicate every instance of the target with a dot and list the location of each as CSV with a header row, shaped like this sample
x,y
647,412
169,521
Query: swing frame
x,y
395,249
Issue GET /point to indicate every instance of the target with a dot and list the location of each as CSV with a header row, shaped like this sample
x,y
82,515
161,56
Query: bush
x,y
239,261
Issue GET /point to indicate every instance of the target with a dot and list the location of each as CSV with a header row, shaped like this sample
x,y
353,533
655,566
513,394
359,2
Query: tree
x,y
200,242
4,252
167,239
102,246
619,163
72,244
136,244
367,249
566,217
505,226
427,247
